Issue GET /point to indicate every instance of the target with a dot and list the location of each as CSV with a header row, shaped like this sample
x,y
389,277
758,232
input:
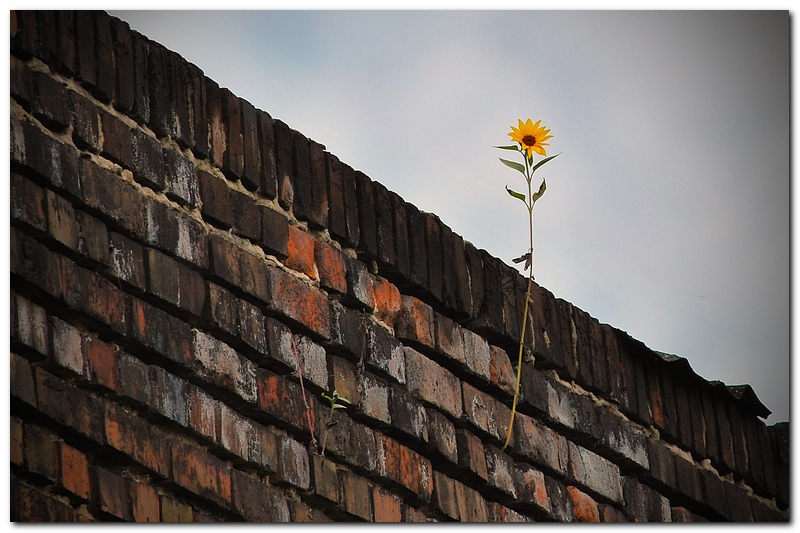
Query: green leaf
x,y
517,195
514,165
543,161
343,399
509,147
539,194
339,406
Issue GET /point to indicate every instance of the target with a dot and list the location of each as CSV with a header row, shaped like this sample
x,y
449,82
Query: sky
x,y
668,212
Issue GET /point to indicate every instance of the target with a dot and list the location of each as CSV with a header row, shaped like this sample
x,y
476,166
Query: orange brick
x,y
584,508
301,252
146,506
386,506
102,363
200,472
387,300
415,321
416,472
332,267
75,471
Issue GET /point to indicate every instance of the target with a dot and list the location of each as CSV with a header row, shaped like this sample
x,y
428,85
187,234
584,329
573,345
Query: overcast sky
x,y
668,214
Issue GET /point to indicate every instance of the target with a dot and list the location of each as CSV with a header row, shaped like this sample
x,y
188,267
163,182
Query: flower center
x,y
529,140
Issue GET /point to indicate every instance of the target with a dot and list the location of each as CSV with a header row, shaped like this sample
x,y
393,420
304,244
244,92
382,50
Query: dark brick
x,y
560,500
69,406
433,241
671,431
124,66
239,268
113,494
318,211
490,317
161,95
662,465
625,442
385,230
402,263
182,121
104,42
140,110
51,102
114,198
251,167
168,397
101,363
28,203
94,295
301,176
223,366
709,415
61,223
417,225
126,260
472,507
475,268
756,475
713,492
443,498
441,435
24,32
698,445
408,415
86,62
638,375
148,160
216,200
160,331
355,495
684,416
485,412
337,223
67,347
41,452
136,379
284,165
739,441
512,313
274,233
384,352
325,478
449,268
216,127
266,146
257,502
348,329
463,297
780,438
470,453
368,243
725,439
360,291
180,178
197,102
738,505
35,263
21,83
29,324
283,400
594,473
246,217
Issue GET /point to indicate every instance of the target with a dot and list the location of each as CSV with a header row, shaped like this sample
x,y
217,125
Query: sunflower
x,y
531,137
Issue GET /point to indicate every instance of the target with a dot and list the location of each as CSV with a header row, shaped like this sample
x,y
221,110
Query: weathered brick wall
x,y
179,259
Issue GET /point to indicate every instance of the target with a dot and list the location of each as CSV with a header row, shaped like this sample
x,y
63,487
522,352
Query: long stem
x,y
529,178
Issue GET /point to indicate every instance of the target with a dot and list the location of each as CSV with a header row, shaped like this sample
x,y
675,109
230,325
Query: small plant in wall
x,y
528,138
337,402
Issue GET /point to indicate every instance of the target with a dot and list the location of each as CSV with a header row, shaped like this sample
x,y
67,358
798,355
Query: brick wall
x,y
189,275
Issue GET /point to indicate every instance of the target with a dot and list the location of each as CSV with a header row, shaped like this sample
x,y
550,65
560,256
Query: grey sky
x,y
668,214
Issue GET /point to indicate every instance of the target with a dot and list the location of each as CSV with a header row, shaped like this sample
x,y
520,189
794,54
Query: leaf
x,y
510,147
516,166
517,195
343,399
330,424
539,194
543,161
339,406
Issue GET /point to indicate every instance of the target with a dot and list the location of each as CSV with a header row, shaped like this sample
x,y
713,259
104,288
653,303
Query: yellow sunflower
x,y
531,137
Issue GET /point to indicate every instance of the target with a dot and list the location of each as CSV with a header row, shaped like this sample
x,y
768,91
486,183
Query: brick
x,y
113,492
183,237
137,439
337,224
160,331
274,233
725,439
501,372
56,162
368,241
402,264
251,164
201,473
584,508
713,492
283,400
385,231
160,76
375,402
216,200
135,378
300,302
738,507
356,495
266,143
101,363
94,239
687,479
301,252
501,513
168,397
485,412
596,473
501,470
412,515
223,366
61,223
540,444
475,270
114,198
85,49
388,301
417,223
145,504
29,504
471,454
318,210
175,282
325,478
94,295
173,510
21,82
293,464
17,439
512,293
385,353
624,440
444,495
69,406
180,178
239,268
29,325
126,260
416,473
28,202
245,215
386,506
408,415
441,435
117,140
302,513
42,452
415,322
283,162
35,263
351,441
223,309
349,330
662,464
360,292
21,380
105,57
257,502
332,266
471,505
216,128
204,412
431,383
476,354
560,500
530,487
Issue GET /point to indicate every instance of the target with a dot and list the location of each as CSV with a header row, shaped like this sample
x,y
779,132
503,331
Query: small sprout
x,y
337,402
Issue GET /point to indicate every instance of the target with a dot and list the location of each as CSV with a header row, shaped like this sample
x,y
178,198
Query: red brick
x,y
415,322
356,497
501,372
17,448
388,302
69,406
145,502
41,452
584,508
531,486
416,472
173,510
113,492
102,362
137,439
299,301
386,506
283,400
75,471
325,478
432,383
332,267
471,505
501,513
301,252
201,473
